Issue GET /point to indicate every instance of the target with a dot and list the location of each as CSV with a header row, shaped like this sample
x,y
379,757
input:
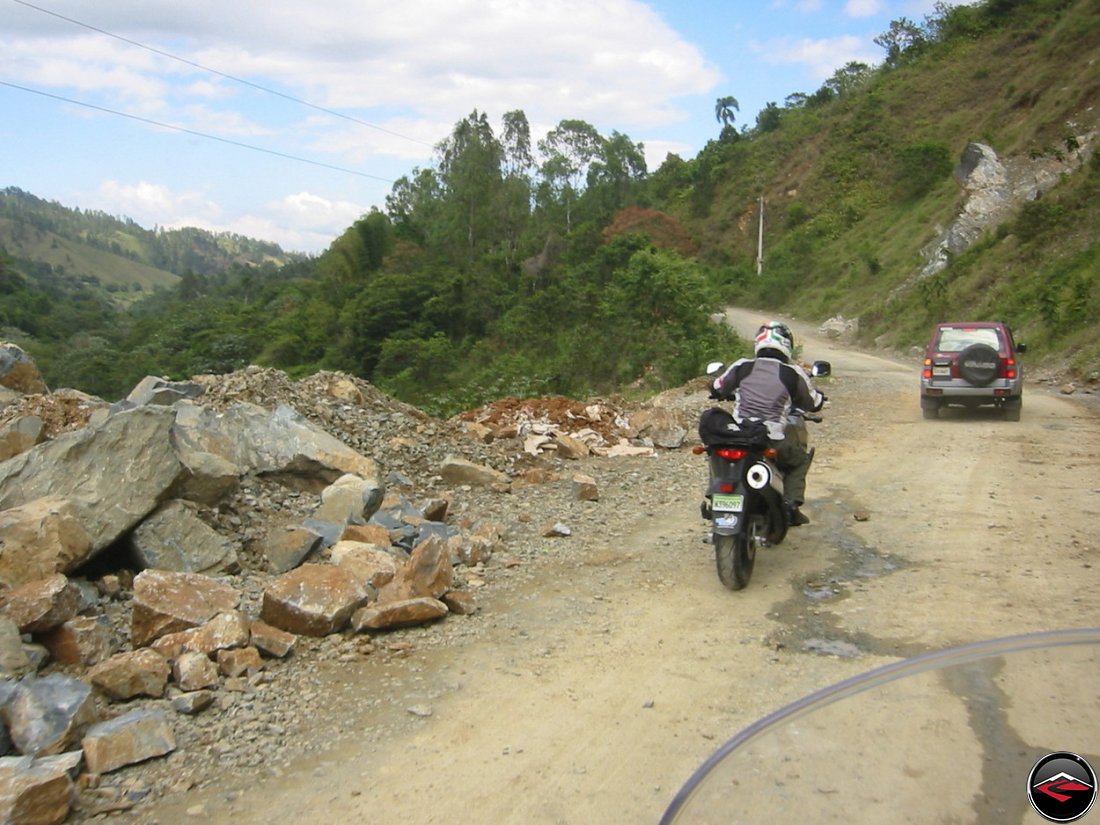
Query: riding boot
x,y
795,517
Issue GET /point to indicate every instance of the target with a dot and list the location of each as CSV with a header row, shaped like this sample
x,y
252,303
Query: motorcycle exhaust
x,y
758,476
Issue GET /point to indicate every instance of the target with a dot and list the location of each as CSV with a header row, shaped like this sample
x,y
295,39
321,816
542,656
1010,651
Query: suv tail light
x,y
1008,368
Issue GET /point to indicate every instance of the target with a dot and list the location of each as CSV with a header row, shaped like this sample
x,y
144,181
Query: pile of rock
x,y
158,482
169,549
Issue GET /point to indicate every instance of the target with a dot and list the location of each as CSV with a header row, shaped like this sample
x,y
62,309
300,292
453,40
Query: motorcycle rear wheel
x,y
734,557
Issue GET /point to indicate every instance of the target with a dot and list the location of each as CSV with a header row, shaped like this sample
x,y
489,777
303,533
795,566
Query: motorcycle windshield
x,y
964,735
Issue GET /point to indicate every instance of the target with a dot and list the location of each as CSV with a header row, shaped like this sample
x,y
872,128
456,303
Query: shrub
x,y
921,166
1039,217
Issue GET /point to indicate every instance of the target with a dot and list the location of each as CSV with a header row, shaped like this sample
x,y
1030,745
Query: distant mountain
x,y
47,241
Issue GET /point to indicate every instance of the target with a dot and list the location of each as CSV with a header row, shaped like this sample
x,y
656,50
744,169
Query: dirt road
x,y
601,678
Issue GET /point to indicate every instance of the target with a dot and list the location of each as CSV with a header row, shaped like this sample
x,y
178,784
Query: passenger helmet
x,y
774,340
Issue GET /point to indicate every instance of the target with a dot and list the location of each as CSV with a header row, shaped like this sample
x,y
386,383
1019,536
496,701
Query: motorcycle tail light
x,y
731,454
725,488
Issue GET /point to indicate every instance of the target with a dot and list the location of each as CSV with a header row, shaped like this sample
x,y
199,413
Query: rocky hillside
x,y
174,567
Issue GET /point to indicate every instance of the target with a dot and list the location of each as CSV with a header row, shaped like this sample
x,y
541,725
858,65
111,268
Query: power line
x,y
235,79
185,130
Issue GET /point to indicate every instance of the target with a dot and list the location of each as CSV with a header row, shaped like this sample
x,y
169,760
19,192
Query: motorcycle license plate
x,y
727,503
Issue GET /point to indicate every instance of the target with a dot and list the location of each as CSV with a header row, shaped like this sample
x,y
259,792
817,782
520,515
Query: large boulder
x,y
47,716
392,615
82,640
660,425
127,739
41,605
20,434
175,538
38,791
18,371
167,602
349,500
285,547
429,573
313,600
282,444
113,475
40,538
153,389
14,661
372,564
457,470
132,673
225,631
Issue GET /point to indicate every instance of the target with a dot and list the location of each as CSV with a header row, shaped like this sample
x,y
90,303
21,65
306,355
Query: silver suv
x,y
972,364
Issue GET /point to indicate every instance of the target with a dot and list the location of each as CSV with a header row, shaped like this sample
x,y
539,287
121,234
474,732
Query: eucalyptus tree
x,y
470,171
519,161
413,203
518,164
616,173
567,151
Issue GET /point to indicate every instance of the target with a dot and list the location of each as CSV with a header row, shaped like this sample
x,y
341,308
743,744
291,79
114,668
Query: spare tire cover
x,y
979,364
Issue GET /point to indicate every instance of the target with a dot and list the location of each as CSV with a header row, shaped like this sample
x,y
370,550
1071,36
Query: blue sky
x,y
136,107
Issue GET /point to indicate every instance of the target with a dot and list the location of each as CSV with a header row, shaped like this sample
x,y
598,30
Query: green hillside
x,y
75,257
858,186
48,241
517,267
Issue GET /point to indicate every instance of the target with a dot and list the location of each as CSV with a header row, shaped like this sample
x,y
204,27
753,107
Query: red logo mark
x,y
1062,787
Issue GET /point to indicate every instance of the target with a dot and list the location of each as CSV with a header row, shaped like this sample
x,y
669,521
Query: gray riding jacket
x,y
767,389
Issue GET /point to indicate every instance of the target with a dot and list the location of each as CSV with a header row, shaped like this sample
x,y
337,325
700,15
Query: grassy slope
x,y
80,259
1022,91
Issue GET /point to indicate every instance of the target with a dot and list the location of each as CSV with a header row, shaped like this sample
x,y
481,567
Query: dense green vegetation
x,y
565,266
857,181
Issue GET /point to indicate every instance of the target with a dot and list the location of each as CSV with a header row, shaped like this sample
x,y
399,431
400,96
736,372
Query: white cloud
x,y
821,57
150,204
302,221
863,8
406,71
539,55
315,212
657,150
799,6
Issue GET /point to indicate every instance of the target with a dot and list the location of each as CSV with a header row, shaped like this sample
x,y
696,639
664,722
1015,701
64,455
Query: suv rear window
x,y
956,339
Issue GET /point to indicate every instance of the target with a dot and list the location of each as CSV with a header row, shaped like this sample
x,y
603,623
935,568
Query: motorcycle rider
x,y
766,388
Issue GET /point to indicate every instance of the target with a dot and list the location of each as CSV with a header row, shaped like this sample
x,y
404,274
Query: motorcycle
x,y
744,499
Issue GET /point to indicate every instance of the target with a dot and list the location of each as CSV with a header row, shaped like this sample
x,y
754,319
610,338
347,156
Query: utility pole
x,y
760,240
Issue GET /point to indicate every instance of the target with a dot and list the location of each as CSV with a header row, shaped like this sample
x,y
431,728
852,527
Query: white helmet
x,y
777,337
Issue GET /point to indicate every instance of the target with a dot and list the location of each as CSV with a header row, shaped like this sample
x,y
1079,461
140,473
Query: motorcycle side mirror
x,y
714,367
820,369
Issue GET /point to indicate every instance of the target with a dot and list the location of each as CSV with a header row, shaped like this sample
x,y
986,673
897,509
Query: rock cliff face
x,y
995,190
179,544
